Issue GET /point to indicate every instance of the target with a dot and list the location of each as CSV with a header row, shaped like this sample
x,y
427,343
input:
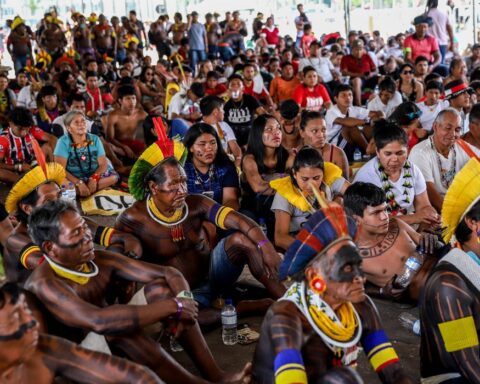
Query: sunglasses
x,y
407,72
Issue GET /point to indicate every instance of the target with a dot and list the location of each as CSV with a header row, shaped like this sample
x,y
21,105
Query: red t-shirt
x,y
305,43
352,64
272,36
249,91
218,90
311,100
16,150
424,47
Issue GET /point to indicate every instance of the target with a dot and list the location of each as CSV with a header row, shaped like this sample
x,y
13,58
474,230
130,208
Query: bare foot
x,y
243,377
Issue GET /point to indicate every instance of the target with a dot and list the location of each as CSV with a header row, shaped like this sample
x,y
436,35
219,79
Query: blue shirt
x,y
82,162
196,37
212,183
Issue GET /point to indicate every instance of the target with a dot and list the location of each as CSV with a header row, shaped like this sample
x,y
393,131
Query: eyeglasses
x,y
407,72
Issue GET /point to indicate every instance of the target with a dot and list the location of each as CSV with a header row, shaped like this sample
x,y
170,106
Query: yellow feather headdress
x,y
463,194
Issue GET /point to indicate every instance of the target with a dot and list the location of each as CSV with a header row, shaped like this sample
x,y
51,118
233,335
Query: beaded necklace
x,y
81,278
392,205
201,183
174,222
446,177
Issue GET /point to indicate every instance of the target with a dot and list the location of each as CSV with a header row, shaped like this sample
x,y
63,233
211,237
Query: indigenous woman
x,y
264,161
294,201
313,130
83,156
209,170
401,180
153,95
407,116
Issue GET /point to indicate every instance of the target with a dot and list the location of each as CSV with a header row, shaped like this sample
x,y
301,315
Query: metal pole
x,y
474,17
346,11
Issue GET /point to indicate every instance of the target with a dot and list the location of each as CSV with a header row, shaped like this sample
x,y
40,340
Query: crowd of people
x,y
330,166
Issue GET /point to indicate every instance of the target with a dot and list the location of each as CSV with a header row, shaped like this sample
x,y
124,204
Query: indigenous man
x,y
290,123
325,313
385,244
450,311
172,228
75,286
28,356
16,151
103,37
19,44
33,190
123,123
82,40
53,39
442,155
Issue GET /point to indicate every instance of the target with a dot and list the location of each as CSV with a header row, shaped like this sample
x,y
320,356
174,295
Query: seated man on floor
x,y
319,322
35,188
76,285
176,230
125,122
16,152
385,244
29,356
450,309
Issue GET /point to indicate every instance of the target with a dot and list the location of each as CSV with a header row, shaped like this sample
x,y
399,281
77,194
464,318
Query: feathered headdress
x,y
17,21
163,148
325,228
65,59
131,39
73,54
93,18
43,59
53,20
461,196
41,174
284,186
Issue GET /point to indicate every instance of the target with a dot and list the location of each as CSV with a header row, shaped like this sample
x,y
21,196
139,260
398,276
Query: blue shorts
x,y
223,274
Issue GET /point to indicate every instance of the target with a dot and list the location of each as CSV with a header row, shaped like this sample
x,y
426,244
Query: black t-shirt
x,y
239,115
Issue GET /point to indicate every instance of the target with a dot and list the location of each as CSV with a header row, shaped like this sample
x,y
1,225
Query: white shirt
x,y
426,158
25,99
429,113
181,105
322,65
377,105
333,130
369,173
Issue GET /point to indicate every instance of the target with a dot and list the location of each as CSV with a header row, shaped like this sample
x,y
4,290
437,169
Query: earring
x,y
478,236
318,285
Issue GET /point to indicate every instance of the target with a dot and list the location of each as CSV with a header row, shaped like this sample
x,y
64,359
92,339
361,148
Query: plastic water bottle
x,y
412,266
229,323
357,155
263,225
410,322
71,192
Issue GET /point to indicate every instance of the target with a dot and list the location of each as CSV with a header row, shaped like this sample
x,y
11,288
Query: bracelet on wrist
x,y
95,177
179,308
79,181
261,243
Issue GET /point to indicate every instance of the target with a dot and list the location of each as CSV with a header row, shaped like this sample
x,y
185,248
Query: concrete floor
x,y
233,358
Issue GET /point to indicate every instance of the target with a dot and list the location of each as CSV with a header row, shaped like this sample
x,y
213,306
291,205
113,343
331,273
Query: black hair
x,y
44,222
9,289
92,60
462,232
308,157
48,90
91,74
307,69
289,109
388,85
212,74
62,80
21,117
406,65
195,131
475,85
455,61
307,116
342,88
360,195
235,76
474,115
74,97
30,199
475,75
386,132
432,76
433,84
144,71
125,90
209,103
420,58
405,113
157,173
256,147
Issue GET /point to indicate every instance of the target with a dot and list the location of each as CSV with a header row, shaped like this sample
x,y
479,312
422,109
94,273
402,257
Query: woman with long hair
x,y
83,156
313,130
457,71
265,160
209,170
151,89
295,201
409,88
401,180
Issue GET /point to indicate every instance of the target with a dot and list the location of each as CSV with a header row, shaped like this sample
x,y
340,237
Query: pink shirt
x,y
439,26
425,47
